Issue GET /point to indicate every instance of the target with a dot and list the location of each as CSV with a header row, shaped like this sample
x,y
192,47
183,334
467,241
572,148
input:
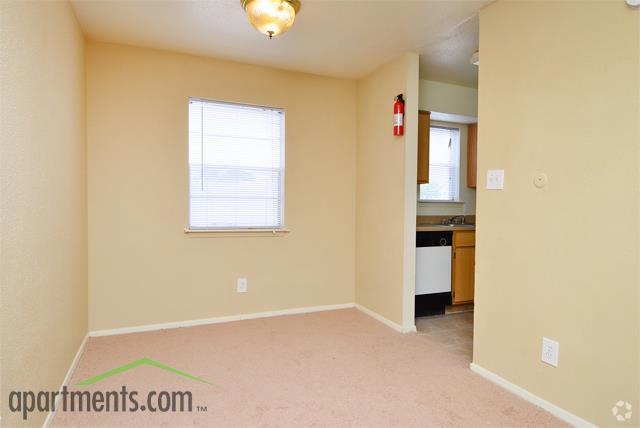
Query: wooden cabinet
x,y
424,125
463,266
472,155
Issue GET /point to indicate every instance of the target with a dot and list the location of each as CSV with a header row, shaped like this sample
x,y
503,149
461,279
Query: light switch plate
x,y
495,179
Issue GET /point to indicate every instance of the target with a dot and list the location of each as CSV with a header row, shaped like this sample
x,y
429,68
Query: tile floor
x,y
454,331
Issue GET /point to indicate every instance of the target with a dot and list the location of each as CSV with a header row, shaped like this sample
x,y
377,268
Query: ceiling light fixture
x,y
271,17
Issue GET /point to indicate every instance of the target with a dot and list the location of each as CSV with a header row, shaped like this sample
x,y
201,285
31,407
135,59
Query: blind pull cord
x,y
202,147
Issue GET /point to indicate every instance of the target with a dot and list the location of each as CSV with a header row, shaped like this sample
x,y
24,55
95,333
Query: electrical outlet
x,y
550,351
495,179
242,285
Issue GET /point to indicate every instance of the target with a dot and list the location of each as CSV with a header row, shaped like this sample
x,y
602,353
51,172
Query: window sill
x,y
225,233
440,202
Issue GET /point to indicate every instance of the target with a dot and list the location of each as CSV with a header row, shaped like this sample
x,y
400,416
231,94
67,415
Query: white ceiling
x,y
446,59
341,38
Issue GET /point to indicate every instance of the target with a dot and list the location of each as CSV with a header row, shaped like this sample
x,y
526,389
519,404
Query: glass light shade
x,y
271,17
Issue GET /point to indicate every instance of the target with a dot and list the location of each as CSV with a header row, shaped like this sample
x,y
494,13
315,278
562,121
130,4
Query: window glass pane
x,y
236,166
444,165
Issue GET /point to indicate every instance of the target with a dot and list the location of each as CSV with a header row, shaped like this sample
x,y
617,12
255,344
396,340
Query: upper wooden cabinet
x,y
424,124
472,155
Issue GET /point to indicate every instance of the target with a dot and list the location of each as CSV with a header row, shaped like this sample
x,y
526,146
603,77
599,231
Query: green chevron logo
x,y
137,363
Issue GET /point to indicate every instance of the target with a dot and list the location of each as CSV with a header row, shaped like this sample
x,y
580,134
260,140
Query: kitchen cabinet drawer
x,y
464,238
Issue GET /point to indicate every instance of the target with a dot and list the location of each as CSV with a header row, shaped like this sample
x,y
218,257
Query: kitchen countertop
x,y
443,227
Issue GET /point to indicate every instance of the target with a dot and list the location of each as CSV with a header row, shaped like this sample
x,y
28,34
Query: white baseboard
x,y
388,322
67,379
218,320
559,412
409,329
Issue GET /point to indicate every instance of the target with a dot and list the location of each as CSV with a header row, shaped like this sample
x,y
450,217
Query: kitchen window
x,y
236,166
444,166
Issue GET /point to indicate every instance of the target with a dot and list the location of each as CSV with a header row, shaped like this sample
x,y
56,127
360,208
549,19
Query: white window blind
x,y
444,165
236,166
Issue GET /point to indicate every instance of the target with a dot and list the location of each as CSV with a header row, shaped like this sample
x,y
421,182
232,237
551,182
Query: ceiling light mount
x,y
475,58
271,17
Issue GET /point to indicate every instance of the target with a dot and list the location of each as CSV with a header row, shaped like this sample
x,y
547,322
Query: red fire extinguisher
x,y
398,116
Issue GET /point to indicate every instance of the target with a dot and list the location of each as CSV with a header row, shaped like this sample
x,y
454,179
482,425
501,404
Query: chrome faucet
x,y
458,219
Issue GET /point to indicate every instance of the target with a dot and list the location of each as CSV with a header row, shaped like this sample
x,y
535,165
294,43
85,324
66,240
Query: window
x,y
444,165
236,166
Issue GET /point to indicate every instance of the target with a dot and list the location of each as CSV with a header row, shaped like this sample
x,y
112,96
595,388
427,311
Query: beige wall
x,y
448,98
386,205
143,269
559,86
43,222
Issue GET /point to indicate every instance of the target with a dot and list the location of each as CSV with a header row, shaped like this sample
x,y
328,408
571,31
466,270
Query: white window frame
x,y
230,231
454,126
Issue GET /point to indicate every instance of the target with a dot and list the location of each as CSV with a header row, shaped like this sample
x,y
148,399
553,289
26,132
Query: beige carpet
x,y
337,368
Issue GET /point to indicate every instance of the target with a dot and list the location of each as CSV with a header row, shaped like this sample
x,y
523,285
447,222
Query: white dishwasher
x,y
433,272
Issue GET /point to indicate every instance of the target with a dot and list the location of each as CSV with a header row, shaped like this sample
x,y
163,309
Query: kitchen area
x,y
445,262
445,223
